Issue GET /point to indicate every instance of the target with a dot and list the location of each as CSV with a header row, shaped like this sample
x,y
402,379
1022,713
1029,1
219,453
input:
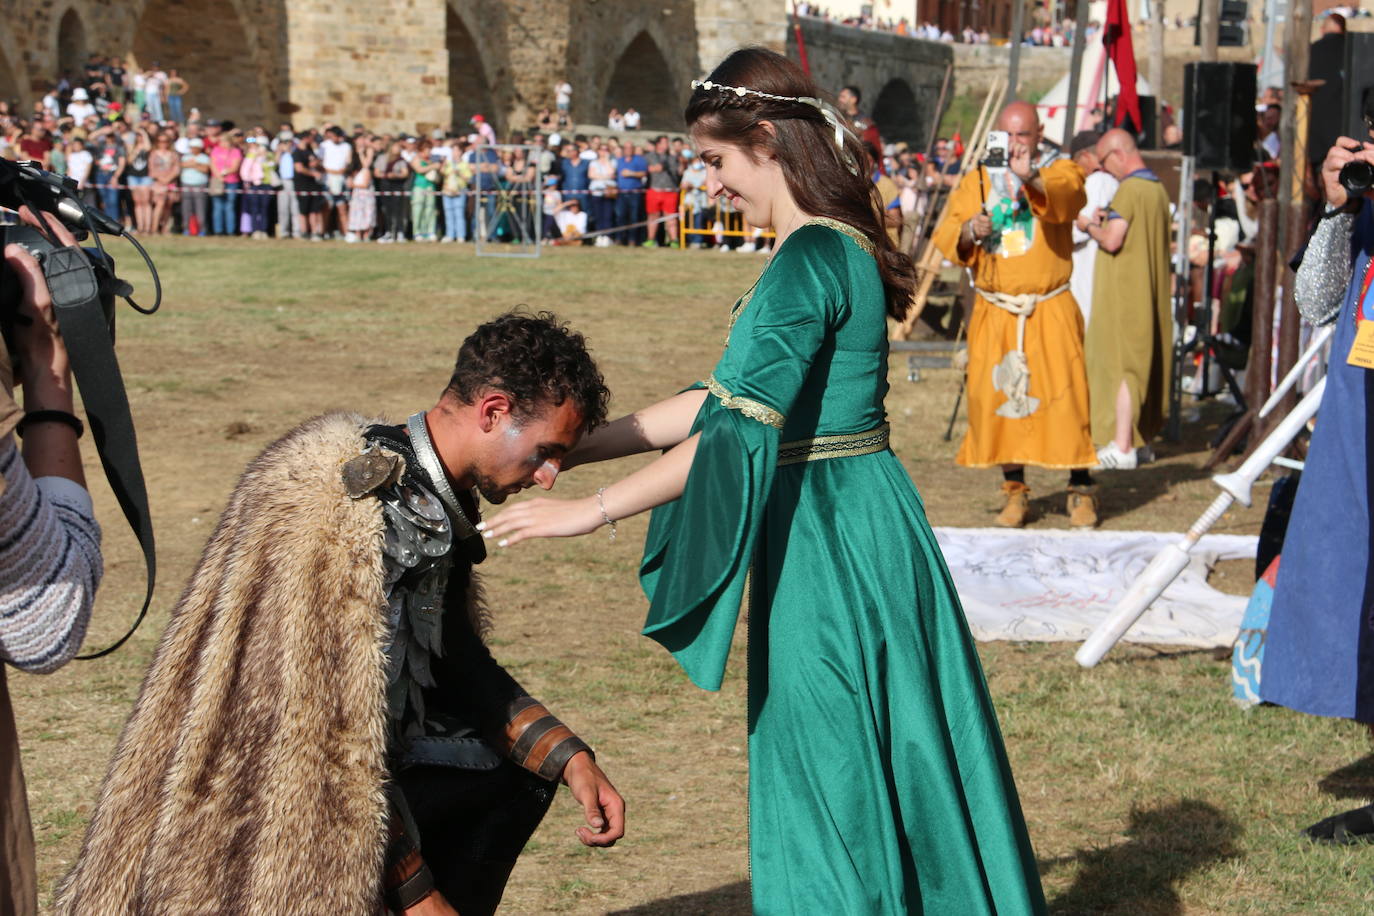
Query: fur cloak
x,y
250,777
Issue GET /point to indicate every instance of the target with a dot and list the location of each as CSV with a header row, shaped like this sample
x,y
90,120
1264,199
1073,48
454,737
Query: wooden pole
x,y
1080,42
1209,29
928,264
1296,205
1018,24
1156,58
1257,367
939,110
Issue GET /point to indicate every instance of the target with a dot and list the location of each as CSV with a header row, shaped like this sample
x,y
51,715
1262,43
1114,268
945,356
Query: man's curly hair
x,y
537,360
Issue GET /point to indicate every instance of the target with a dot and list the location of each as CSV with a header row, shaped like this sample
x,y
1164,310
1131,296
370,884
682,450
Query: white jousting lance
x,y
1170,561
1289,380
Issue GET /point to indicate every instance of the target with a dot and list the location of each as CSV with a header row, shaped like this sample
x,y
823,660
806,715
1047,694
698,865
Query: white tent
x,y
1097,69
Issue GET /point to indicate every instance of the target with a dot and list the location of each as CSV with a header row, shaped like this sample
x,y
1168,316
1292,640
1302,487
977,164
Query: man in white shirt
x,y
336,154
562,94
631,119
1100,186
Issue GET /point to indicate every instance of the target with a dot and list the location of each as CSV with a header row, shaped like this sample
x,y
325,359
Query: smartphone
x,y
995,153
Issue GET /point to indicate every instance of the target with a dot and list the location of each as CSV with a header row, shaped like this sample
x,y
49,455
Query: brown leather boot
x,y
1082,507
1016,512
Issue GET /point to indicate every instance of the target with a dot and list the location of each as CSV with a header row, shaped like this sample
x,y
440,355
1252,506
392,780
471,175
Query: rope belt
x,y
822,447
1011,375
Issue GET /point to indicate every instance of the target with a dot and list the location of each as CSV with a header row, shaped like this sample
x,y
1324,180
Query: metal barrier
x,y
518,210
731,223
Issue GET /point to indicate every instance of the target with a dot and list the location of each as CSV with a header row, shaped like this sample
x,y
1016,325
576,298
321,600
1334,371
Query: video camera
x,y
73,275
83,286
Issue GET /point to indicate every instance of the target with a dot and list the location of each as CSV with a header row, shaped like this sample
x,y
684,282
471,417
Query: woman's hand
x,y
1337,157
543,518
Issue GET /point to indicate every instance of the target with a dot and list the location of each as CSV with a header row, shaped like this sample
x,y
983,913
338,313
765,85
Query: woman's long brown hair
x,y
803,143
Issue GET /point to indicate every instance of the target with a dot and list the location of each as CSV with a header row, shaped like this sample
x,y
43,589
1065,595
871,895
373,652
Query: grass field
x,y
1146,790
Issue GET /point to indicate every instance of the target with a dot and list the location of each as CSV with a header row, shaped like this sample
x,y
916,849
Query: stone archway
x,y
207,44
10,90
897,114
643,81
467,79
71,45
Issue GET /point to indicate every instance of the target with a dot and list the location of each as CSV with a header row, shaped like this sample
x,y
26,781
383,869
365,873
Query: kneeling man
x,y
322,729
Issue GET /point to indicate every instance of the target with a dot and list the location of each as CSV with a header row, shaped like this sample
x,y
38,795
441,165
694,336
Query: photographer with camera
x,y
1011,221
1319,649
50,560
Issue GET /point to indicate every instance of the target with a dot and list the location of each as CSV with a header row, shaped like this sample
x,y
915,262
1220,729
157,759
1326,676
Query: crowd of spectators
x,y
205,176
1042,32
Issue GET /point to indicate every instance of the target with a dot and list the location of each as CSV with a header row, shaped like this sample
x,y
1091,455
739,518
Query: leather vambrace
x,y
537,741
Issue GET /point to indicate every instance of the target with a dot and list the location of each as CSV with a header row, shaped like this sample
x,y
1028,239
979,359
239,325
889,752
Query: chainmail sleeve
x,y
1325,272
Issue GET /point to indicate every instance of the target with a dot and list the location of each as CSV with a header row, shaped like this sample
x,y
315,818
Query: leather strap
x,y
411,891
429,461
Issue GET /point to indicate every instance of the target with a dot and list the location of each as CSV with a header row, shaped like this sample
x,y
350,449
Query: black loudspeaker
x,y
1346,65
1147,135
1219,116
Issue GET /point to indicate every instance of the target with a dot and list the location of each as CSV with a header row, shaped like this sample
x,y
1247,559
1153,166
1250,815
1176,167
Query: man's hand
x,y
433,905
1019,159
1345,150
980,227
605,809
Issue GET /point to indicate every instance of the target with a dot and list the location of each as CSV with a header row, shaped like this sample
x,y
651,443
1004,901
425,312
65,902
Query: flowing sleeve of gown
x,y
698,550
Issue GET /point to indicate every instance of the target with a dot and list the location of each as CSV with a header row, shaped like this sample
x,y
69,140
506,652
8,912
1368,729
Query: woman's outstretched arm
x,y
653,485
658,426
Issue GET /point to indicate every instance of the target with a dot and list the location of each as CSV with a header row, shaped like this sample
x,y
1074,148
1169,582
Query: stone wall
x,y
724,25
426,64
899,77
975,67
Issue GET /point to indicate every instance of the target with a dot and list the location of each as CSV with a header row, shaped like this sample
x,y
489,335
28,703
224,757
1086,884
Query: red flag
x,y
1116,38
958,144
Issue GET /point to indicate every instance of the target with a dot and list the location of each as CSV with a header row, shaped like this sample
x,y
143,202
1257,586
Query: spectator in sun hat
x,y
80,107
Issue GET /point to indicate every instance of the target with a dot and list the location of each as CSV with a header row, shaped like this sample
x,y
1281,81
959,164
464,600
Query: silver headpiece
x,y
831,116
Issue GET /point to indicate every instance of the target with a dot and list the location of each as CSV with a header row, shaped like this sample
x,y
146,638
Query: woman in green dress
x,y
878,778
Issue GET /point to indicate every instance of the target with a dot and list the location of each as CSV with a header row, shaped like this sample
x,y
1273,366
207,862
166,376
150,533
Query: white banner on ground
x,y
1047,586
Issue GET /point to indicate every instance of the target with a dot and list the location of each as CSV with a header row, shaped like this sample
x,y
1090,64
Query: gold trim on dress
x,y
820,448
750,408
859,238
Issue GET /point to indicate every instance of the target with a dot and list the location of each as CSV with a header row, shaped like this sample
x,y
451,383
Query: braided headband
x,y
827,112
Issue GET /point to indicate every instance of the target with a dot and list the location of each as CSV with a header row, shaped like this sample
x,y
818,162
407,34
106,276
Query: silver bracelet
x,y
601,501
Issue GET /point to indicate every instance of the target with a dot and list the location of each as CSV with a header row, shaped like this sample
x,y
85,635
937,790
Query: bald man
x,y
1130,336
1027,383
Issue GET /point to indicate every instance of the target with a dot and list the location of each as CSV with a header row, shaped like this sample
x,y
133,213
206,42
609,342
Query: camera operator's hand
x,y
1346,150
44,371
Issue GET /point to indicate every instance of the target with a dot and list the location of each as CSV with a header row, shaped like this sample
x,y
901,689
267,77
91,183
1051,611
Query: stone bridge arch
x,y
470,80
642,80
898,114
14,84
70,45
216,47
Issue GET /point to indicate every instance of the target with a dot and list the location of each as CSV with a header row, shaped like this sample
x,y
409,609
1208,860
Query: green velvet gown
x,y
878,779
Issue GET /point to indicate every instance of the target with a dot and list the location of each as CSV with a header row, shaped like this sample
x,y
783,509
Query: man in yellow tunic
x,y
1130,342
1027,384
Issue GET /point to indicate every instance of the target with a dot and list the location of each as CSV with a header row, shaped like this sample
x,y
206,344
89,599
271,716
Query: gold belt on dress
x,y
823,447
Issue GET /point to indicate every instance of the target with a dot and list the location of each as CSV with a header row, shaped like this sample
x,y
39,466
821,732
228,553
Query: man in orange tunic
x,y
1027,383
